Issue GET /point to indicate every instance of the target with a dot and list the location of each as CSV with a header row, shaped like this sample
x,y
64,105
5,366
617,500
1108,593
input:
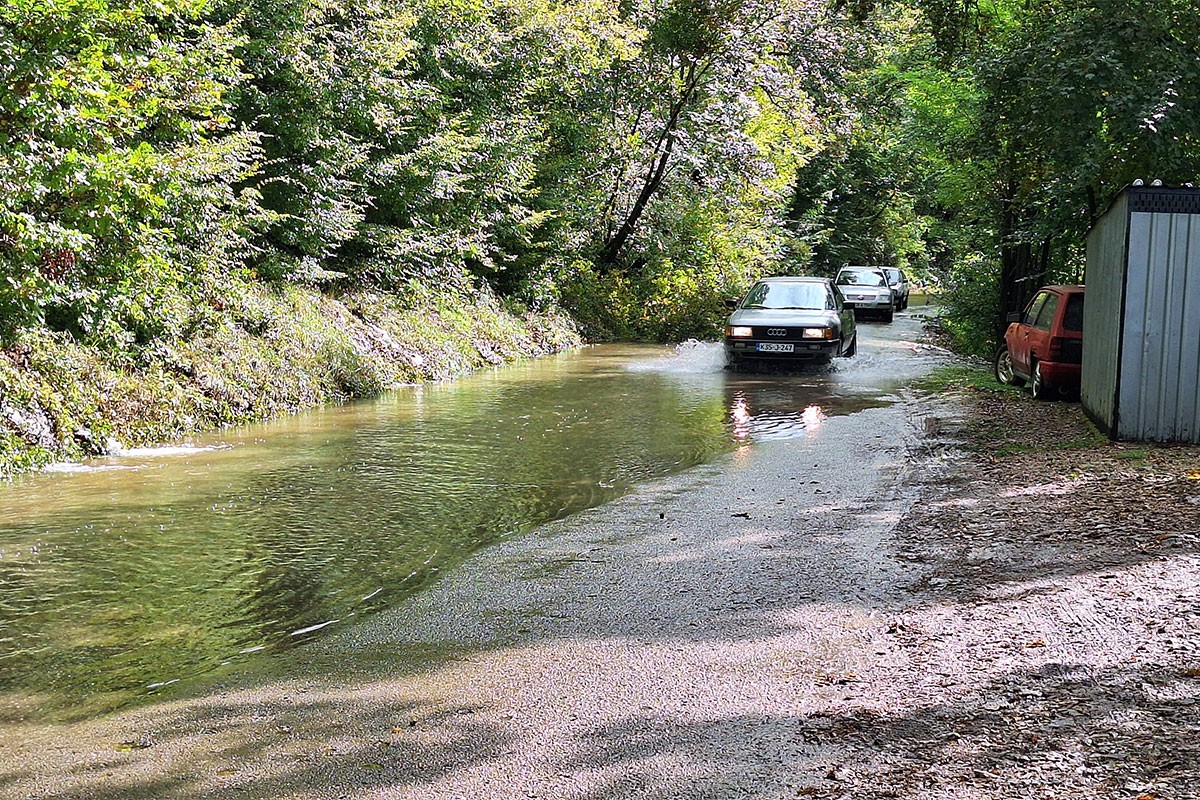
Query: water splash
x,y
165,451
688,358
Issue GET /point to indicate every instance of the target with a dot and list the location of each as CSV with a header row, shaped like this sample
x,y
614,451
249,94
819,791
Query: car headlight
x,y
818,333
739,331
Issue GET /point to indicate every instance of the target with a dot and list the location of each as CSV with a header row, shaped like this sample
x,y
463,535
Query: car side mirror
x,y
1014,316
731,303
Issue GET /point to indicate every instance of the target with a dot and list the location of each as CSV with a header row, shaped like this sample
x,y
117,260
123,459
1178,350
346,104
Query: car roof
x,y
863,266
794,279
1062,288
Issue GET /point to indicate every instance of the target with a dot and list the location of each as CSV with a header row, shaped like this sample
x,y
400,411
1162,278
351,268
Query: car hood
x,y
782,316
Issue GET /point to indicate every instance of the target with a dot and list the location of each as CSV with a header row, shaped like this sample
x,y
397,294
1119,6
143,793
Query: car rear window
x,y
1073,316
1045,316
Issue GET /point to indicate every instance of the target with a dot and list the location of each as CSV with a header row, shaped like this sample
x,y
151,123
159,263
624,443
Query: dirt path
x,y
808,618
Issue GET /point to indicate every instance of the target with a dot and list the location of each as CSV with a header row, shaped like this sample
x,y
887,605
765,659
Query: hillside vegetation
x,y
190,188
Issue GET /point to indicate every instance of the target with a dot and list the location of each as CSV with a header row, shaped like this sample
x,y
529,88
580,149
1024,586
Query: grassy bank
x,y
268,354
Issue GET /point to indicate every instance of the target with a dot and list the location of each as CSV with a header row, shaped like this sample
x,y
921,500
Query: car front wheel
x,y
1004,368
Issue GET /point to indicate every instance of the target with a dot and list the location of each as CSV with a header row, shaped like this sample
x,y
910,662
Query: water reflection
x,y
782,406
150,568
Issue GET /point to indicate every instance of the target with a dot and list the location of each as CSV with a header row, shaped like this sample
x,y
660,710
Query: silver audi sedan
x,y
782,320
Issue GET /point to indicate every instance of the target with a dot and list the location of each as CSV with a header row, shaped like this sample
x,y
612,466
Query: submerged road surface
x,y
688,640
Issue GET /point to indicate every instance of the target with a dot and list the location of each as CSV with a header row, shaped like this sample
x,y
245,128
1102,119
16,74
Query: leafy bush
x,y
969,307
119,162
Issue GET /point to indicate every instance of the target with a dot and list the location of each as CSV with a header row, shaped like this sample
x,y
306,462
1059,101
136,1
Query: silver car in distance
x,y
866,290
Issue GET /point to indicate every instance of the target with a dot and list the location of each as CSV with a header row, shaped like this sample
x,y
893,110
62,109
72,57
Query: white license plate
x,y
774,347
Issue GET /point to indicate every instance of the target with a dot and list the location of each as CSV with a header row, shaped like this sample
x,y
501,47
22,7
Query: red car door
x,y
1018,338
1039,331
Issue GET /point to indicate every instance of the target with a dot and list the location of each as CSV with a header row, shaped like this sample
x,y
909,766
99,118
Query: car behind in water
x,y
1043,345
866,289
900,288
782,320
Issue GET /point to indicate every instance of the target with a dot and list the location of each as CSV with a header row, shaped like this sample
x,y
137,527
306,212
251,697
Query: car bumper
x,y
749,349
1060,374
869,305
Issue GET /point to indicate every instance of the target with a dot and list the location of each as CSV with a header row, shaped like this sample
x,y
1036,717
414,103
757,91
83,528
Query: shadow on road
x,y
793,624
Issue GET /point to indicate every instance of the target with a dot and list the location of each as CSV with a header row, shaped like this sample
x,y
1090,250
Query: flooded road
x,y
124,577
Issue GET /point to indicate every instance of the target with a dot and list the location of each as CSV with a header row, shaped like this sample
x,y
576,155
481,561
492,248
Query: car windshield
x,y
812,296
861,278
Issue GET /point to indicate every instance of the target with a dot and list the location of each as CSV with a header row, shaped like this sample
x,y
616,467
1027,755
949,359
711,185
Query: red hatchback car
x,y
1044,344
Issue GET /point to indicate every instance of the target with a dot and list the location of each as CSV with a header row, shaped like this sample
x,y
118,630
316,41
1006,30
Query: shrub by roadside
x,y
271,353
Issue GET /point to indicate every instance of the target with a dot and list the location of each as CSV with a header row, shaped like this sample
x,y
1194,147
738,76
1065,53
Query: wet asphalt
x,y
665,645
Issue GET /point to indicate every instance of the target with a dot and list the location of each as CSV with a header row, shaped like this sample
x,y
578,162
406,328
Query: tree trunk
x,y
611,251
1019,269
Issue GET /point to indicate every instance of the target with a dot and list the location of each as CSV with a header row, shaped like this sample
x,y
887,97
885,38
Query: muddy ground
x,y
967,595
1057,611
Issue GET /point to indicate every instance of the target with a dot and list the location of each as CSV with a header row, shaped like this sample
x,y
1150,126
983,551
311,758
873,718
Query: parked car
x,y
867,289
1043,345
900,288
782,320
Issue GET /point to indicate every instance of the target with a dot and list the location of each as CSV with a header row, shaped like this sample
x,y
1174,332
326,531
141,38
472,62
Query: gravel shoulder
x,y
952,611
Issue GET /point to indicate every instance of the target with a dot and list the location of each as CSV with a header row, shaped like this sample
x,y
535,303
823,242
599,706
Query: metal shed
x,y
1141,320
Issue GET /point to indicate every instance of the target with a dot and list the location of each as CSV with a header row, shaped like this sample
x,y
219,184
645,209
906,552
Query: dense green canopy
x,y
633,161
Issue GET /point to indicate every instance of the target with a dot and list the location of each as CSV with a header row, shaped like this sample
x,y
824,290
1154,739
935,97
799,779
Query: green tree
x,y
996,132
117,164
1082,98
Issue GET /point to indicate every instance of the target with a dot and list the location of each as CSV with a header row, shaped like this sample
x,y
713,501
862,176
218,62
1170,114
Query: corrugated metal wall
x,y
1159,375
1105,281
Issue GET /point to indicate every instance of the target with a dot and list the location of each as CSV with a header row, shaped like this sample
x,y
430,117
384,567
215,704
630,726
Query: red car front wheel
x,y
1004,368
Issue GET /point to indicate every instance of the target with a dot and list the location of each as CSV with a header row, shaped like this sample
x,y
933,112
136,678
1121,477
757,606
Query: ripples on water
x,y
125,576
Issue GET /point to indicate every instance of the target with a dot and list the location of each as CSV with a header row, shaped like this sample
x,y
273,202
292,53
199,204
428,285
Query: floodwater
x,y
124,578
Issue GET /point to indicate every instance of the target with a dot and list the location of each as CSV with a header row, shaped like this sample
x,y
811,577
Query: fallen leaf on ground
x,y
139,744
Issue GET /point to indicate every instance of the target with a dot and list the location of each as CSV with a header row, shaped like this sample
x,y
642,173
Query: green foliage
x,y
1083,97
117,160
968,307
958,376
634,161
987,137
859,198
325,86
1073,107
172,172
155,155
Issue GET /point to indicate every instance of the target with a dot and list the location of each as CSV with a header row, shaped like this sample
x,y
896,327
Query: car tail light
x,y
1056,348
